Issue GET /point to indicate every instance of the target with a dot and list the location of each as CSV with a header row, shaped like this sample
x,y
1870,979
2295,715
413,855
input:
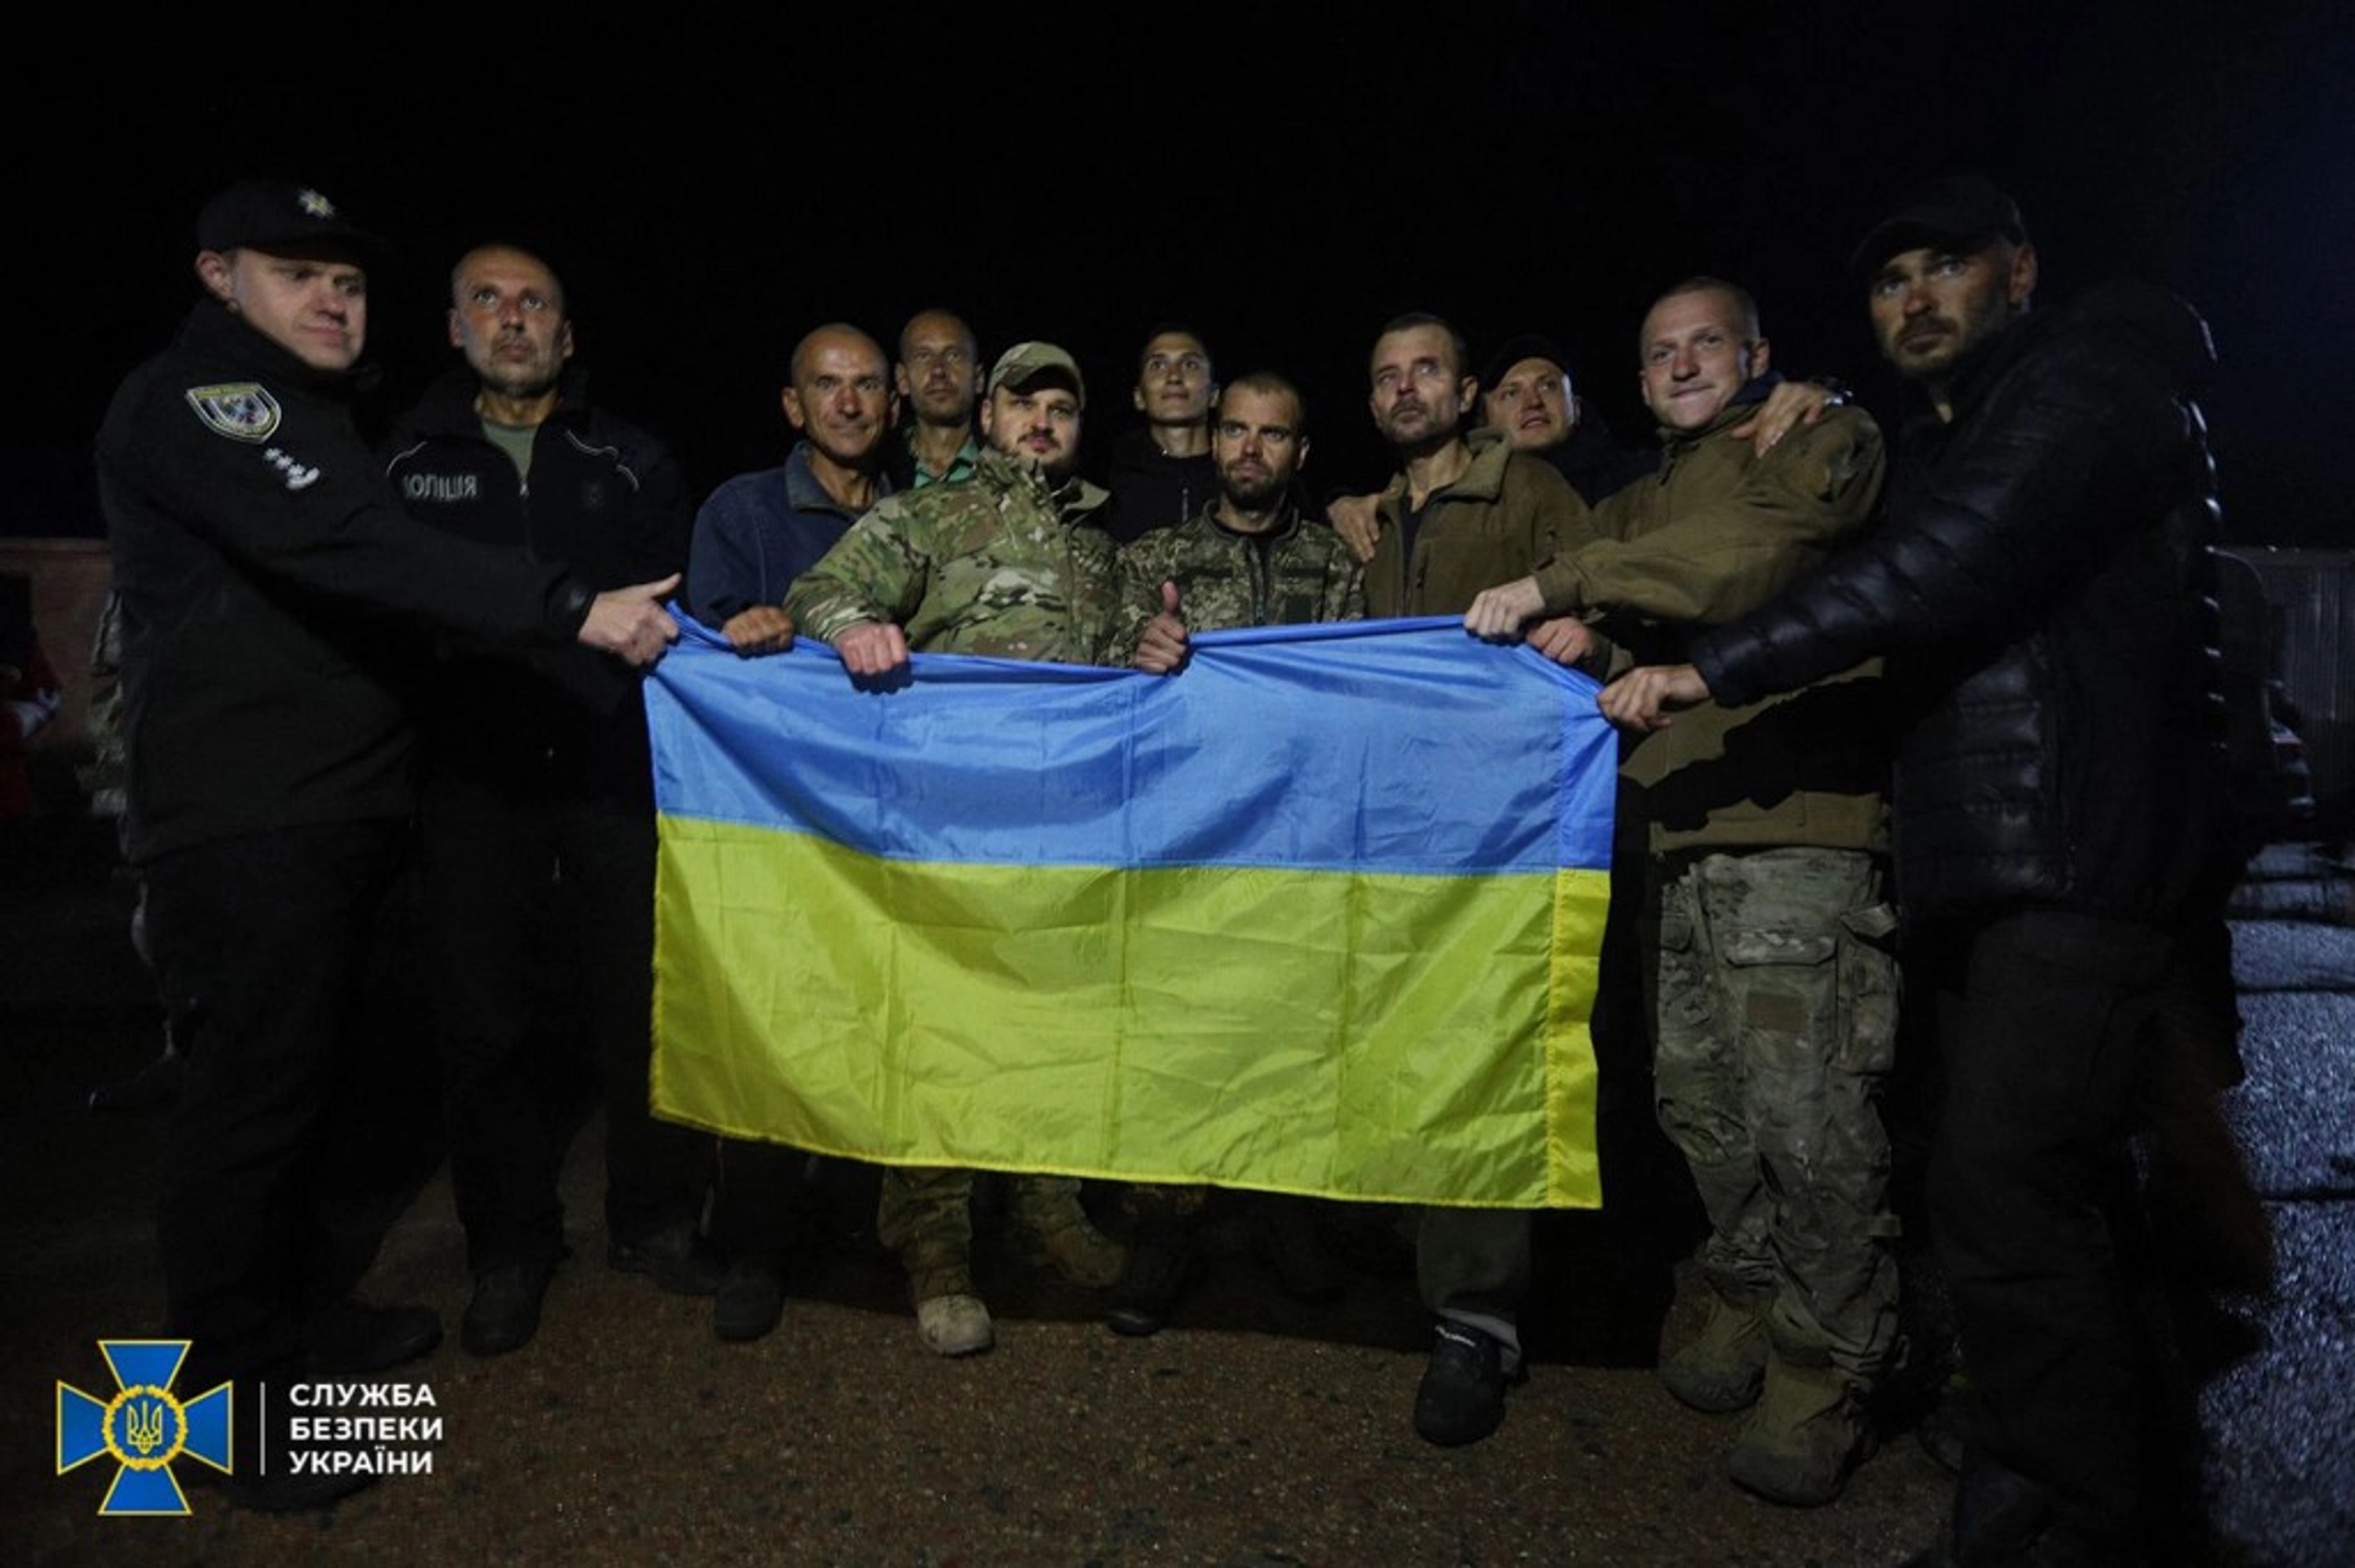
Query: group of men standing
x,y
2045,537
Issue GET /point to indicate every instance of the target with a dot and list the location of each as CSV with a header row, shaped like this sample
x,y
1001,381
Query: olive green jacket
x,y
1501,519
1716,532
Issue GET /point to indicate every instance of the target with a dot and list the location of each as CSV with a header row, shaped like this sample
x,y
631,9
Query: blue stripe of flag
x,y
1391,746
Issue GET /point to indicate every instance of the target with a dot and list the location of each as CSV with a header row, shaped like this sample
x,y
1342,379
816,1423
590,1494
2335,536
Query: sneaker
x,y
954,1325
1808,1434
1462,1399
1159,1264
504,1312
352,1338
750,1299
674,1257
1724,1369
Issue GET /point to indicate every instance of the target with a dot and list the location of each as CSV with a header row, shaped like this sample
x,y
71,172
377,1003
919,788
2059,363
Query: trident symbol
x,y
143,1422
144,1428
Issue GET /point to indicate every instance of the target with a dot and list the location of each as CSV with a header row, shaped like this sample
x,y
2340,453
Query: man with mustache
x,y
1465,512
535,809
938,378
1246,558
1526,392
2040,587
759,532
1465,506
1006,564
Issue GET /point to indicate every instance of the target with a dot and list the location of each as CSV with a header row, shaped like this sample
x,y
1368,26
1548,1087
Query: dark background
x,y
1283,178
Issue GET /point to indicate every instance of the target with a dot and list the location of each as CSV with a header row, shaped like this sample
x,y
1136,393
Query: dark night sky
x,y
1284,179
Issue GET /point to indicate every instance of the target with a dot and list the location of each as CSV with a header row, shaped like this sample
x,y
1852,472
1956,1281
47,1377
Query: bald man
x,y
760,531
756,534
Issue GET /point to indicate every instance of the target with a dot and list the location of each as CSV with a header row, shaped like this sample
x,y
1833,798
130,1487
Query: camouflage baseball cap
x,y
1030,364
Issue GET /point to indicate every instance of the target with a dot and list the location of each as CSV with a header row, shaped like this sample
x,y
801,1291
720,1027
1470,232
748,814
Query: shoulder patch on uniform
x,y
242,410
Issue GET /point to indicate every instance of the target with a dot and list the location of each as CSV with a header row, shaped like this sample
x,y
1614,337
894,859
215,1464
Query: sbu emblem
x,y
144,1428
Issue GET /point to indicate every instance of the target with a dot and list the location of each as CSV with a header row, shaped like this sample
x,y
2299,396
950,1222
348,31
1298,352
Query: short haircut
x,y
1173,330
1744,307
1268,383
973,343
835,329
1457,345
563,296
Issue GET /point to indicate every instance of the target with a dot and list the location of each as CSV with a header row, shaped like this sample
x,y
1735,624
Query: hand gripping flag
x,y
1317,914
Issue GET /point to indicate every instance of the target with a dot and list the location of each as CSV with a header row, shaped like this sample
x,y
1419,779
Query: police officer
x,y
270,587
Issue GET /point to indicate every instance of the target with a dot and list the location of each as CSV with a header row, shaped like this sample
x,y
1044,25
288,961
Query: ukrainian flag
x,y
1318,914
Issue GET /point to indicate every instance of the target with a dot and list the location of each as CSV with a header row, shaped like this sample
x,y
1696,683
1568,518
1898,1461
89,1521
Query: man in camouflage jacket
x,y
1004,565
1247,558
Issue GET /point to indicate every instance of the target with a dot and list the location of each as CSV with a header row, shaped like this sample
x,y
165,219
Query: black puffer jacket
x,y
2042,588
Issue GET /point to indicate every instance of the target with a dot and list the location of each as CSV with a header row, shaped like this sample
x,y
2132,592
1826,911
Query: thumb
x,y
1169,598
664,589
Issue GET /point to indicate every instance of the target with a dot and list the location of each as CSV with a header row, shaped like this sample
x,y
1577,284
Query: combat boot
x,y
955,1325
1722,1370
950,1320
1049,1210
1807,1434
1160,1257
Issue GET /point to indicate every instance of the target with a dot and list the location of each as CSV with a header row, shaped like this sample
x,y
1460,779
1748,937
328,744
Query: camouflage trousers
x,y
924,1213
1775,1012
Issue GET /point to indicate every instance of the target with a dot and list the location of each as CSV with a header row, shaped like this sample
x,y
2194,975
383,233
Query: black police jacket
x,y
606,501
274,593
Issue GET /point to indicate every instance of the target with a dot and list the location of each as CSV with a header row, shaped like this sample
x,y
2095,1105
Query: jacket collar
x,y
1739,409
1287,523
1074,497
448,405
803,492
